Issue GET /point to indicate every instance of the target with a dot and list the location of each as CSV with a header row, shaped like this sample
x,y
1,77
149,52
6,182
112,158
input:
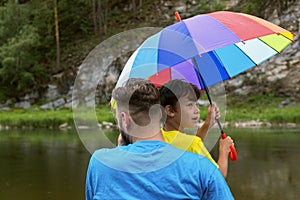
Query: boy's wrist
x,y
206,123
223,154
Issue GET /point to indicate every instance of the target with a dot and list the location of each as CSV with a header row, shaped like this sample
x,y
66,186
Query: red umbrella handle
x,y
232,154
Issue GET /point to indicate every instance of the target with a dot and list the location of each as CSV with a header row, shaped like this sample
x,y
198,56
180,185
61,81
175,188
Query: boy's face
x,y
186,113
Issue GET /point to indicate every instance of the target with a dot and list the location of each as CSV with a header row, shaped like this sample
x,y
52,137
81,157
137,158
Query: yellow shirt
x,y
186,142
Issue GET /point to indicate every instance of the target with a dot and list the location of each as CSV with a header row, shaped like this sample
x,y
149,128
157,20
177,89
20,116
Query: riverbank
x,y
53,119
247,111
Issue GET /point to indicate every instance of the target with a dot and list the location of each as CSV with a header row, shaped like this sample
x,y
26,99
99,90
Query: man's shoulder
x,y
104,153
103,150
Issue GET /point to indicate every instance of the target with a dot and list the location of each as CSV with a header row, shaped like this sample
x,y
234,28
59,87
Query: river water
x,y
49,164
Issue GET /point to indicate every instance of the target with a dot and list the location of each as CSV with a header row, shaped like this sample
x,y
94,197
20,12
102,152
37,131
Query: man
x,y
149,168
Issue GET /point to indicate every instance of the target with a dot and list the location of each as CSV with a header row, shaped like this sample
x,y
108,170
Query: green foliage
x,y
34,118
19,55
252,7
48,118
27,41
262,8
19,67
12,18
104,113
78,20
263,108
207,6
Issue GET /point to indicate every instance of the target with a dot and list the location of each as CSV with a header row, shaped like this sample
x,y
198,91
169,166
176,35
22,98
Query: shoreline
x,y
258,124
110,125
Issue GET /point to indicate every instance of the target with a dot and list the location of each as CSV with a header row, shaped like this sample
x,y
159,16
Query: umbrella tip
x,y
178,18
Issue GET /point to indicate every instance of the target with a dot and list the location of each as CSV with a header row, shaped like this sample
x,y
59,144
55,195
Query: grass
x,y
47,118
263,108
35,118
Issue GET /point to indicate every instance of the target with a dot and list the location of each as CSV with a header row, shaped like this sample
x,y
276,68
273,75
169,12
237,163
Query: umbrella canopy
x,y
224,44
205,50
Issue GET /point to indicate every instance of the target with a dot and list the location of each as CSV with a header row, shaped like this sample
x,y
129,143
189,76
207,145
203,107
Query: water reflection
x,y
267,166
46,164
41,165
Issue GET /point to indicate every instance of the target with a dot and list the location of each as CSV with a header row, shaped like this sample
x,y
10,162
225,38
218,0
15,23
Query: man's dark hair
x,y
175,89
137,96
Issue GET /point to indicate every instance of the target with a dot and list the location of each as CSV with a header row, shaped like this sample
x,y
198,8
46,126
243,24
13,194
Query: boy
x,y
179,99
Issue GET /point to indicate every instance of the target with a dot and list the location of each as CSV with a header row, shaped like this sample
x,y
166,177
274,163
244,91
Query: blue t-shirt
x,y
153,170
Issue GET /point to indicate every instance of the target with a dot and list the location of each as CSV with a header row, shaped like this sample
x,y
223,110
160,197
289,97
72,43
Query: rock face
x,y
99,72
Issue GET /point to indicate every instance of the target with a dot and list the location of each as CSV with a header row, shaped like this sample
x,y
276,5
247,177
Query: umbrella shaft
x,y
207,92
220,126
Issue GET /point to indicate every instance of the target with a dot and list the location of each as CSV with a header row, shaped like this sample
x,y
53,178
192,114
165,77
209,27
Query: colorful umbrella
x,y
206,49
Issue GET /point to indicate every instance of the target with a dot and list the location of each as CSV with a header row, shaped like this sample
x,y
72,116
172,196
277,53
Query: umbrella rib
x,y
197,71
247,56
222,64
271,46
286,36
206,90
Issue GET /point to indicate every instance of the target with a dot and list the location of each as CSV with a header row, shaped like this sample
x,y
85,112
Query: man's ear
x,y
160,113
169,111
125,120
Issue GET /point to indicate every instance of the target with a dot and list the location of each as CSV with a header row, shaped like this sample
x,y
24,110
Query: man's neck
x,y
156,136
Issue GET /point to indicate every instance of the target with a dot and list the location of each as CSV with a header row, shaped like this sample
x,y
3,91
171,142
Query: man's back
x,y
153,170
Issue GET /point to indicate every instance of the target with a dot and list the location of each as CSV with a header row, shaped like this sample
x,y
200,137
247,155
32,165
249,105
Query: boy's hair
x,y
175,89
137,96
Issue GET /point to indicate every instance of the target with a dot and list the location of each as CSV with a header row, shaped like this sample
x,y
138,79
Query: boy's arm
x,y
213,113
203,130
223,164
224,150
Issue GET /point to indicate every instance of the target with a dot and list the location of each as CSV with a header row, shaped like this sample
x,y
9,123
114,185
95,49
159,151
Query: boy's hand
x,y
212,114
225,145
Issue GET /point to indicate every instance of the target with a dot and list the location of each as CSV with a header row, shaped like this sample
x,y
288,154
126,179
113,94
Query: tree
x,y
12,18
19,51
133,9
95,17
19,67
100,17
57,36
